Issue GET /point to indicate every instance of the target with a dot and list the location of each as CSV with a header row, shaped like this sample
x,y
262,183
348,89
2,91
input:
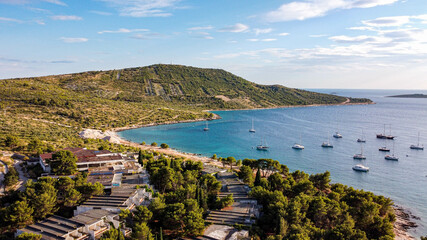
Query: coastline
x,y
404,222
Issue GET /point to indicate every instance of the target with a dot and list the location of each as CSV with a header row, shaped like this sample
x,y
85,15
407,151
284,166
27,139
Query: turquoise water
x,y
405,181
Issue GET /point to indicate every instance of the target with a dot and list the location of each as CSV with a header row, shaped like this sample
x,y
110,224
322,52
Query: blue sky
x,y
297,43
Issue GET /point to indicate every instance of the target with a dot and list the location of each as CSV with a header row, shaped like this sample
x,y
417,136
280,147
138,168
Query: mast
x,y
418,144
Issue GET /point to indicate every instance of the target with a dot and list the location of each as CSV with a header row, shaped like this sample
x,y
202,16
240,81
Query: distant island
x,y
416,95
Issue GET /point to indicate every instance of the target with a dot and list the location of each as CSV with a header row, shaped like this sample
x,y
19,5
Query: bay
x,y
405,181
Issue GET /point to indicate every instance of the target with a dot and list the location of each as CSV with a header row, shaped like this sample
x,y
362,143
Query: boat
x,y
206,128
337,135
298,146
362,139
384,149
359,156
327,144
252,130
417,147
384,136
391,157
360,168
262,146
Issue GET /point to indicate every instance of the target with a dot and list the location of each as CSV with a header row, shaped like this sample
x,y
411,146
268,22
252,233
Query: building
x,y
96,160
88,225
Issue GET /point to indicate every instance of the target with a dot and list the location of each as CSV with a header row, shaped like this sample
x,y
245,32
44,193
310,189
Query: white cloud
x,y
57,2
101,13
200,28
148,36
259,31
204,35
362,28
237,28
302,10
29,1
3,19
318,35
143,8
387,21
357,39
283,34
123,30
73,40
67,18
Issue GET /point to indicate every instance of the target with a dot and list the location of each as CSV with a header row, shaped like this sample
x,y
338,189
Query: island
x,y
416,95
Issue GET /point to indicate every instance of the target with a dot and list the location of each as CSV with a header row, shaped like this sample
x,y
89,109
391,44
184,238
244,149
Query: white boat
x,y
417,147
252,130
262,146
298,146
391,157
337,135
360,168
359,156
206,128
327,144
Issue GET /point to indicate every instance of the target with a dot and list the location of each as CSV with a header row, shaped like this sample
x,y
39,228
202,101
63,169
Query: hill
x,y
417,95
54,108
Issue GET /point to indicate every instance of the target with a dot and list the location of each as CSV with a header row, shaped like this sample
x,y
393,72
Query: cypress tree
x,y
258,178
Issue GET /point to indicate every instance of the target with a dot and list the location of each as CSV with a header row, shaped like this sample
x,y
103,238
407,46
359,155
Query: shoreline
x,y
216,116
404,222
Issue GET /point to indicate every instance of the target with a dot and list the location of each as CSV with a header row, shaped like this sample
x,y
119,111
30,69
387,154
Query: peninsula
x,y
416,95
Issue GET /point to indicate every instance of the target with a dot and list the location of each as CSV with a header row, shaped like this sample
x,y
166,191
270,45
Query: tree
x,y
19,214
28,236
72,198
246,174
64,163
258,178
154,144
231,161
193,219
34,144
140,158
142,214
113,234
141,232
11,177
164,145
11,141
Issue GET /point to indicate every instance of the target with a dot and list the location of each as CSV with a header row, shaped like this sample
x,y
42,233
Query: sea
x,y
404,181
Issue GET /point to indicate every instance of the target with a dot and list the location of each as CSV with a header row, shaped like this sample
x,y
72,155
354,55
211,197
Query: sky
x,y
363,44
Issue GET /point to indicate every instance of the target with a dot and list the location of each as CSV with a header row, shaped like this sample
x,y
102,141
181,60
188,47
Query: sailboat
x,y
391,157
359,156
262,146
360,168
252,130
362,139
417,147
327,144
206,128
298,146
384,136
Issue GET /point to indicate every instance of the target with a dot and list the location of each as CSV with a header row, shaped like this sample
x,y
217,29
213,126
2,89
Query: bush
x,y
154,144
164,145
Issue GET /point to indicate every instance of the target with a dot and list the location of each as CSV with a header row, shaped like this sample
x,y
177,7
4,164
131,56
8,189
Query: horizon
x,y
302,44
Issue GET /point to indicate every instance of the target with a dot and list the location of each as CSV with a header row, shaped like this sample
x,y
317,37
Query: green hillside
x,y
56,107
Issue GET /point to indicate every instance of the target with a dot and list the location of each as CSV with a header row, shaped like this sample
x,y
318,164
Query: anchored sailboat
x,y
252,130
206,128
327,144
391,157
298,146
362,139
359,156
417,147
263,146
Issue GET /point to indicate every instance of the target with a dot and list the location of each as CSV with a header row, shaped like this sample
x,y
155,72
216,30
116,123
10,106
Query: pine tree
x,y
140,158
19,214
258,178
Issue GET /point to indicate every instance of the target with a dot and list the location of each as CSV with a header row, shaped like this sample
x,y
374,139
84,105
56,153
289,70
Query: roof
x,y
91,216
84,155
54,227
85,159
106,201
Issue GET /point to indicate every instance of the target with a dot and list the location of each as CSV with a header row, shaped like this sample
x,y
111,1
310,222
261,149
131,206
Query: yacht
x,y
391,157
298,146
337,135
359,156
327,144
262,146
360,168
252,130
384,149
206,128
384,136
417,147
362,139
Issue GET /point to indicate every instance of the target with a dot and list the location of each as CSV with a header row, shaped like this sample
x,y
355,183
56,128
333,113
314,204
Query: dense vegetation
x,y
301,206
55,108
45,197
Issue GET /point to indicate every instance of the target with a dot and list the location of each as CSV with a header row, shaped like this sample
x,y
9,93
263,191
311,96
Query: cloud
x,y
200,28
3,19
262,40
357,39
237,28
318,35
362,28
143,8
302,10
259,31
387,21
18,2
101,13
204,35
57,2
147,36
67,18
283,34
73,40
123,30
